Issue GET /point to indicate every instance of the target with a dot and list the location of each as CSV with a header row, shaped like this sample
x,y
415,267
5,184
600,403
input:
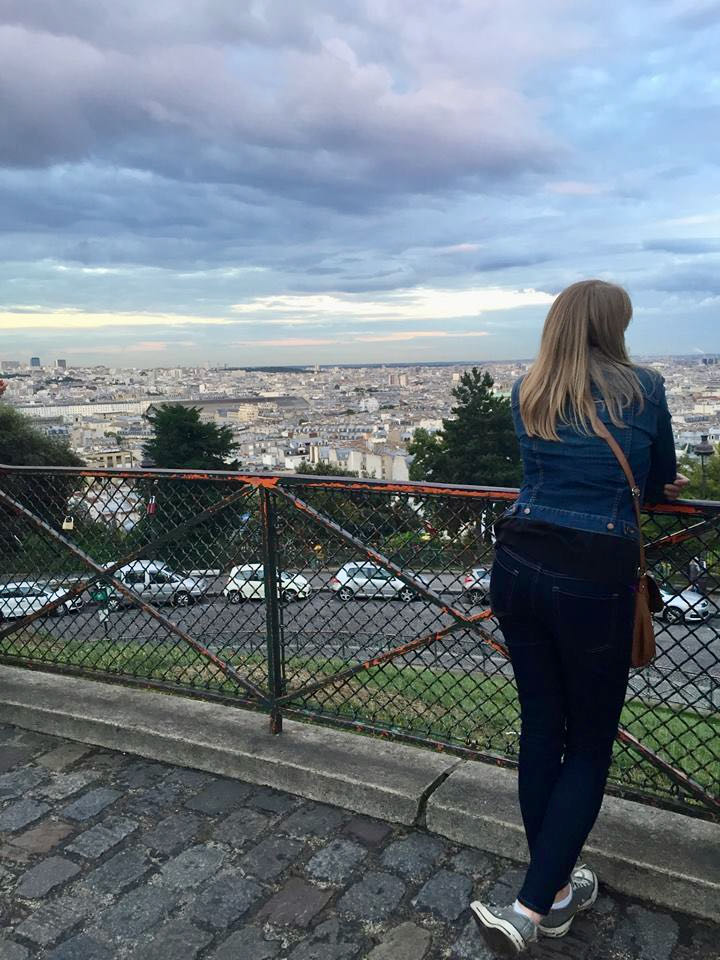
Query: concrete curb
x,y
655,855
377,778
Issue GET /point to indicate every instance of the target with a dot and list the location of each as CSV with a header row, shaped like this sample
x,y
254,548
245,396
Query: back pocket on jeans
x,y
592,616
503,580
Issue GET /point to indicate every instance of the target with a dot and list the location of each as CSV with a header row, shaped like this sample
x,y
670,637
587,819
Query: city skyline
x,y
353,182
13,364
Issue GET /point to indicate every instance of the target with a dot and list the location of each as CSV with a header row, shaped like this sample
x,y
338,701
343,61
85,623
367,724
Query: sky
x,y
301,181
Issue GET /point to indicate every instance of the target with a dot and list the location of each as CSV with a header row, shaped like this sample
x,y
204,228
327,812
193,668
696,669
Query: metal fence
x,y
353,602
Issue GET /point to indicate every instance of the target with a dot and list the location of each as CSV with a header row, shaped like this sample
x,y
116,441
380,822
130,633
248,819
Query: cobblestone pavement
x,y
105,855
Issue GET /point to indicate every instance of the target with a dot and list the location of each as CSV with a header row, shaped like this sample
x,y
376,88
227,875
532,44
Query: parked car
x,y
476,585
248,583
688,605
369,580
20,599
157,583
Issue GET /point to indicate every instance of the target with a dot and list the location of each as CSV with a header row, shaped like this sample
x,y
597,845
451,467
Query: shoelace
x,y
580,882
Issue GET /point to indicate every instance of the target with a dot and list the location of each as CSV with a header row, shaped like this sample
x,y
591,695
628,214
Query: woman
x,y
562,588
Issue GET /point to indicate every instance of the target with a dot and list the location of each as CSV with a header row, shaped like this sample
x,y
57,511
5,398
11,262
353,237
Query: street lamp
x,y
704,450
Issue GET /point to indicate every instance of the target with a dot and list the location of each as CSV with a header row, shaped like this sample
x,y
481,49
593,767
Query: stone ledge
x,y
377,778
652,854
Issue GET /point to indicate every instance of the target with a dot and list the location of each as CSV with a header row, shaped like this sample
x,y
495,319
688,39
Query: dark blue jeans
x,y
570,642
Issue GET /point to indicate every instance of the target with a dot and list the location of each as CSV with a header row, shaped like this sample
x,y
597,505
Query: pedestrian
x,y
562,588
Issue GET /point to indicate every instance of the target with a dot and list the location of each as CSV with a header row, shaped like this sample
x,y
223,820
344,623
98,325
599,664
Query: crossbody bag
x,y
648,599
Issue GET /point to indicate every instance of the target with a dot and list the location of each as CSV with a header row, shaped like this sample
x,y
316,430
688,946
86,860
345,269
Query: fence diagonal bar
x,y
166,622
418,586
112,568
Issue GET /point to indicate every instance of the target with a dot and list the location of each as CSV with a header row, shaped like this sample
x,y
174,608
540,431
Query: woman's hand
x,y
674,489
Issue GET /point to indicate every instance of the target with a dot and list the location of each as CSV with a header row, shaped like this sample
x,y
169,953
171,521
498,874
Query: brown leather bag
x,y
647,595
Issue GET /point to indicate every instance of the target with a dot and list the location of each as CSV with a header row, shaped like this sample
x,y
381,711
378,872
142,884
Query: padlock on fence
x,y
68,523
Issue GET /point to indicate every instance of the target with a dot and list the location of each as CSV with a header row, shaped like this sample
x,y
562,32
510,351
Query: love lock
x,y
68,523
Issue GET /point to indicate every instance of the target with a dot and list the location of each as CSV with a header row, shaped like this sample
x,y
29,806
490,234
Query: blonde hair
x,y
583,345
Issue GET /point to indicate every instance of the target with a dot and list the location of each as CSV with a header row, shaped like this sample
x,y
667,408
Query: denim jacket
x,y
578,483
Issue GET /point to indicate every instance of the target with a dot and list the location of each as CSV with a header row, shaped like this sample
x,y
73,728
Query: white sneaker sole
x,y
563,928
499,934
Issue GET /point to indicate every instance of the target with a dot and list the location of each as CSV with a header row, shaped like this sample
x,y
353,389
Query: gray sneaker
x,y
584,894
504,930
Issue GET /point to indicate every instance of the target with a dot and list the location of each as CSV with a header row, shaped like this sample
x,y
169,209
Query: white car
x,y
20,599
367,579
687,605
476,585
157,583
248,583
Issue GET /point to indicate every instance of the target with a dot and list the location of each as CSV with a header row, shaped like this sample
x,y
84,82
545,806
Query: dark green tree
x,y
704,484
477,445
182,441
381,520
22,444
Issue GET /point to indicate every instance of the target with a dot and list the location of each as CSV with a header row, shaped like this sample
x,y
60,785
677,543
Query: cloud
x,y
697,282
288,342
404,336
693,220
38,318
140,346
460,248
251,169
333,112
684,245
420,303
576,188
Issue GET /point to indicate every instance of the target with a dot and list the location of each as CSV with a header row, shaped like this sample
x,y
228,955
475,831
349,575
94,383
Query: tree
x,y
182,441
699,488
477,446
22,444
381,520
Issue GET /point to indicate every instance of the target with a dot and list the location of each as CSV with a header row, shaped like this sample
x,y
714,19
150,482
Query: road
x,y
687,670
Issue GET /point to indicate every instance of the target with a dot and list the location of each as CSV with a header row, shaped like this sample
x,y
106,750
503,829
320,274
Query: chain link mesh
x,y
376,587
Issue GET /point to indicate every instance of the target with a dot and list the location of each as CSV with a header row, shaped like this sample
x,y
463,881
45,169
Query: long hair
x,y
582,346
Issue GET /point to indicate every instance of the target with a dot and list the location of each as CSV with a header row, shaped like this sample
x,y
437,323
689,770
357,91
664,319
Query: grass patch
x,y
465,709
483,713
171,661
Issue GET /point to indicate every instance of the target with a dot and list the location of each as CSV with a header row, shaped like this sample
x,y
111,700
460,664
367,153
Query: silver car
x,y
476,585
157,583
369,580
688,605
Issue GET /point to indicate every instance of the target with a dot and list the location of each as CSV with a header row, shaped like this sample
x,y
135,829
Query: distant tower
x,y
61,364
34,361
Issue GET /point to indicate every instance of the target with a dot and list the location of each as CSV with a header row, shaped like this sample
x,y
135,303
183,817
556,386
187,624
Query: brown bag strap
x,y
602,431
